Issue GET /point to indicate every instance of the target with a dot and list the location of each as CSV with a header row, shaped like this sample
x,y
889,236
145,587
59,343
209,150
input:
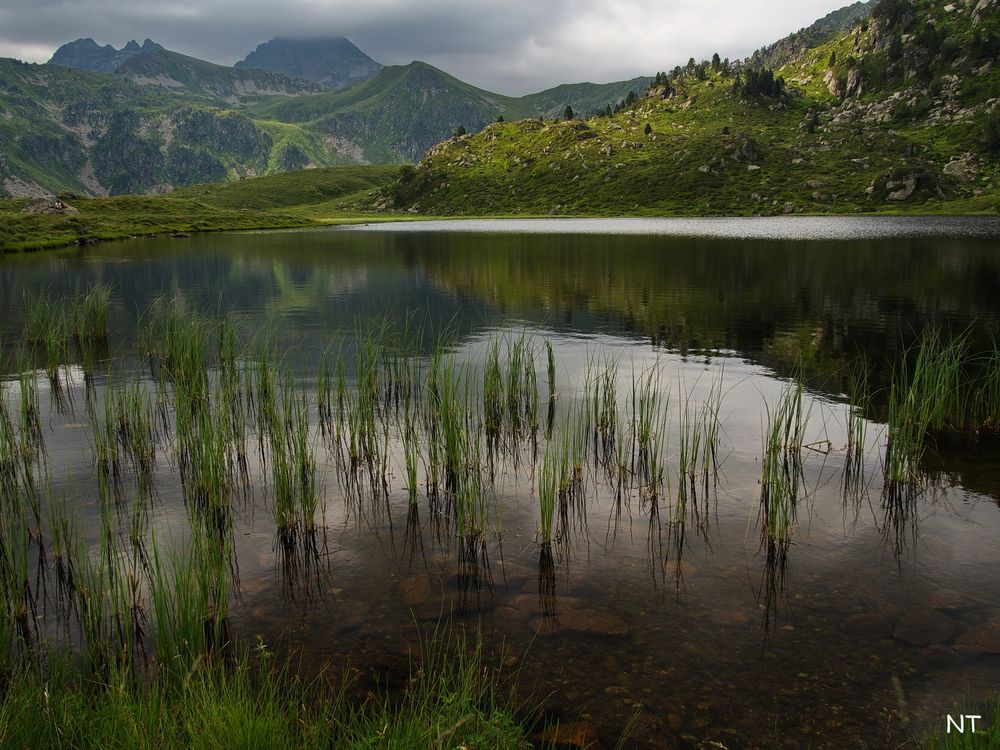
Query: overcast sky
x,y
509,46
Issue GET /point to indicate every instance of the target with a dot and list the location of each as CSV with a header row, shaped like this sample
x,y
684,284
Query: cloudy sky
x,y
509,46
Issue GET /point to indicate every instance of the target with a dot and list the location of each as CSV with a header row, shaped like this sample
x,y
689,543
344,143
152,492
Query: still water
x,y
865,631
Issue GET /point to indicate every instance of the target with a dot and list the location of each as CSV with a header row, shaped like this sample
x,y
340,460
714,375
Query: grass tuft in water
x,y
781,464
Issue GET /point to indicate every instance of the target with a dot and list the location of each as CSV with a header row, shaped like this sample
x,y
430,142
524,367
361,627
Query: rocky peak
x,y
86,54
333,62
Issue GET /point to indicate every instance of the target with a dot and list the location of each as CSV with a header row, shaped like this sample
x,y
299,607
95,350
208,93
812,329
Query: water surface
x,y
698,629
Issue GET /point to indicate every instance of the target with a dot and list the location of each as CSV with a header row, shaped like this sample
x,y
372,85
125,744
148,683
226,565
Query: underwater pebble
x,y
923,627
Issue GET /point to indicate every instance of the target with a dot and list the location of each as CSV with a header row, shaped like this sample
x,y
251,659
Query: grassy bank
x,y
308,198
987,734
456,701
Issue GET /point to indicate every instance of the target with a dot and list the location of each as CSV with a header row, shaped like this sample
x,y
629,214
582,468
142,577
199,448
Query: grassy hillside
x,y
312,197
897,114
398,114
585,98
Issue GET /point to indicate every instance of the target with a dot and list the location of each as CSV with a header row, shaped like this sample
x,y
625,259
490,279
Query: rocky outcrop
x,y
746,150
47,206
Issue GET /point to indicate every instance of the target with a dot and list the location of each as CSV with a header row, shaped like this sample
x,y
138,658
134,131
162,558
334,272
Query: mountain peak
x,y
334,62
86,54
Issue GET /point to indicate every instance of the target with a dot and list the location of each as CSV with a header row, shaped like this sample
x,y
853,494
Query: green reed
x,y
649,408
493,391
30,409
46,330
551,360
600,392
134,428
926,396
18,599
205,455
699,437
189,596
548,487
178,341
90,311
411,454
859,402
63,533
10,451
325,395
107,602
510,386
293,465
781,464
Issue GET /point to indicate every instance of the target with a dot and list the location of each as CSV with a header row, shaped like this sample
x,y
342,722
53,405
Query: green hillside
x,y
585,98
312,197
898,114
398,114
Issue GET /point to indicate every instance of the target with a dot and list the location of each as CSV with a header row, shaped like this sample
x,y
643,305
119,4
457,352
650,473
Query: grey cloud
x,y
514,47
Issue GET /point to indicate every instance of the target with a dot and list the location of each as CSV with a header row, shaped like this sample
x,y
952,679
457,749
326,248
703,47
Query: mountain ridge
x,y
164,120
725,136
334,62
86,54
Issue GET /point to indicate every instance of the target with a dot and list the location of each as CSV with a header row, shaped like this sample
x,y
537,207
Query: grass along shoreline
x,y
452,700
314,197
310,198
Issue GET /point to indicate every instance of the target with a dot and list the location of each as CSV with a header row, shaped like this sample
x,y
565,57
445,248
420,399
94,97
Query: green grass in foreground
x,y
987,734
307,198
453,701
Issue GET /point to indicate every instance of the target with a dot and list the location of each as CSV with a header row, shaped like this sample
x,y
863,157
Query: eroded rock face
x,y
901,190
982,8
855,84
962,167
833,84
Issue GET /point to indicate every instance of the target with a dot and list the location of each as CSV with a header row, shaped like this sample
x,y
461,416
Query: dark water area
x,y
865,630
